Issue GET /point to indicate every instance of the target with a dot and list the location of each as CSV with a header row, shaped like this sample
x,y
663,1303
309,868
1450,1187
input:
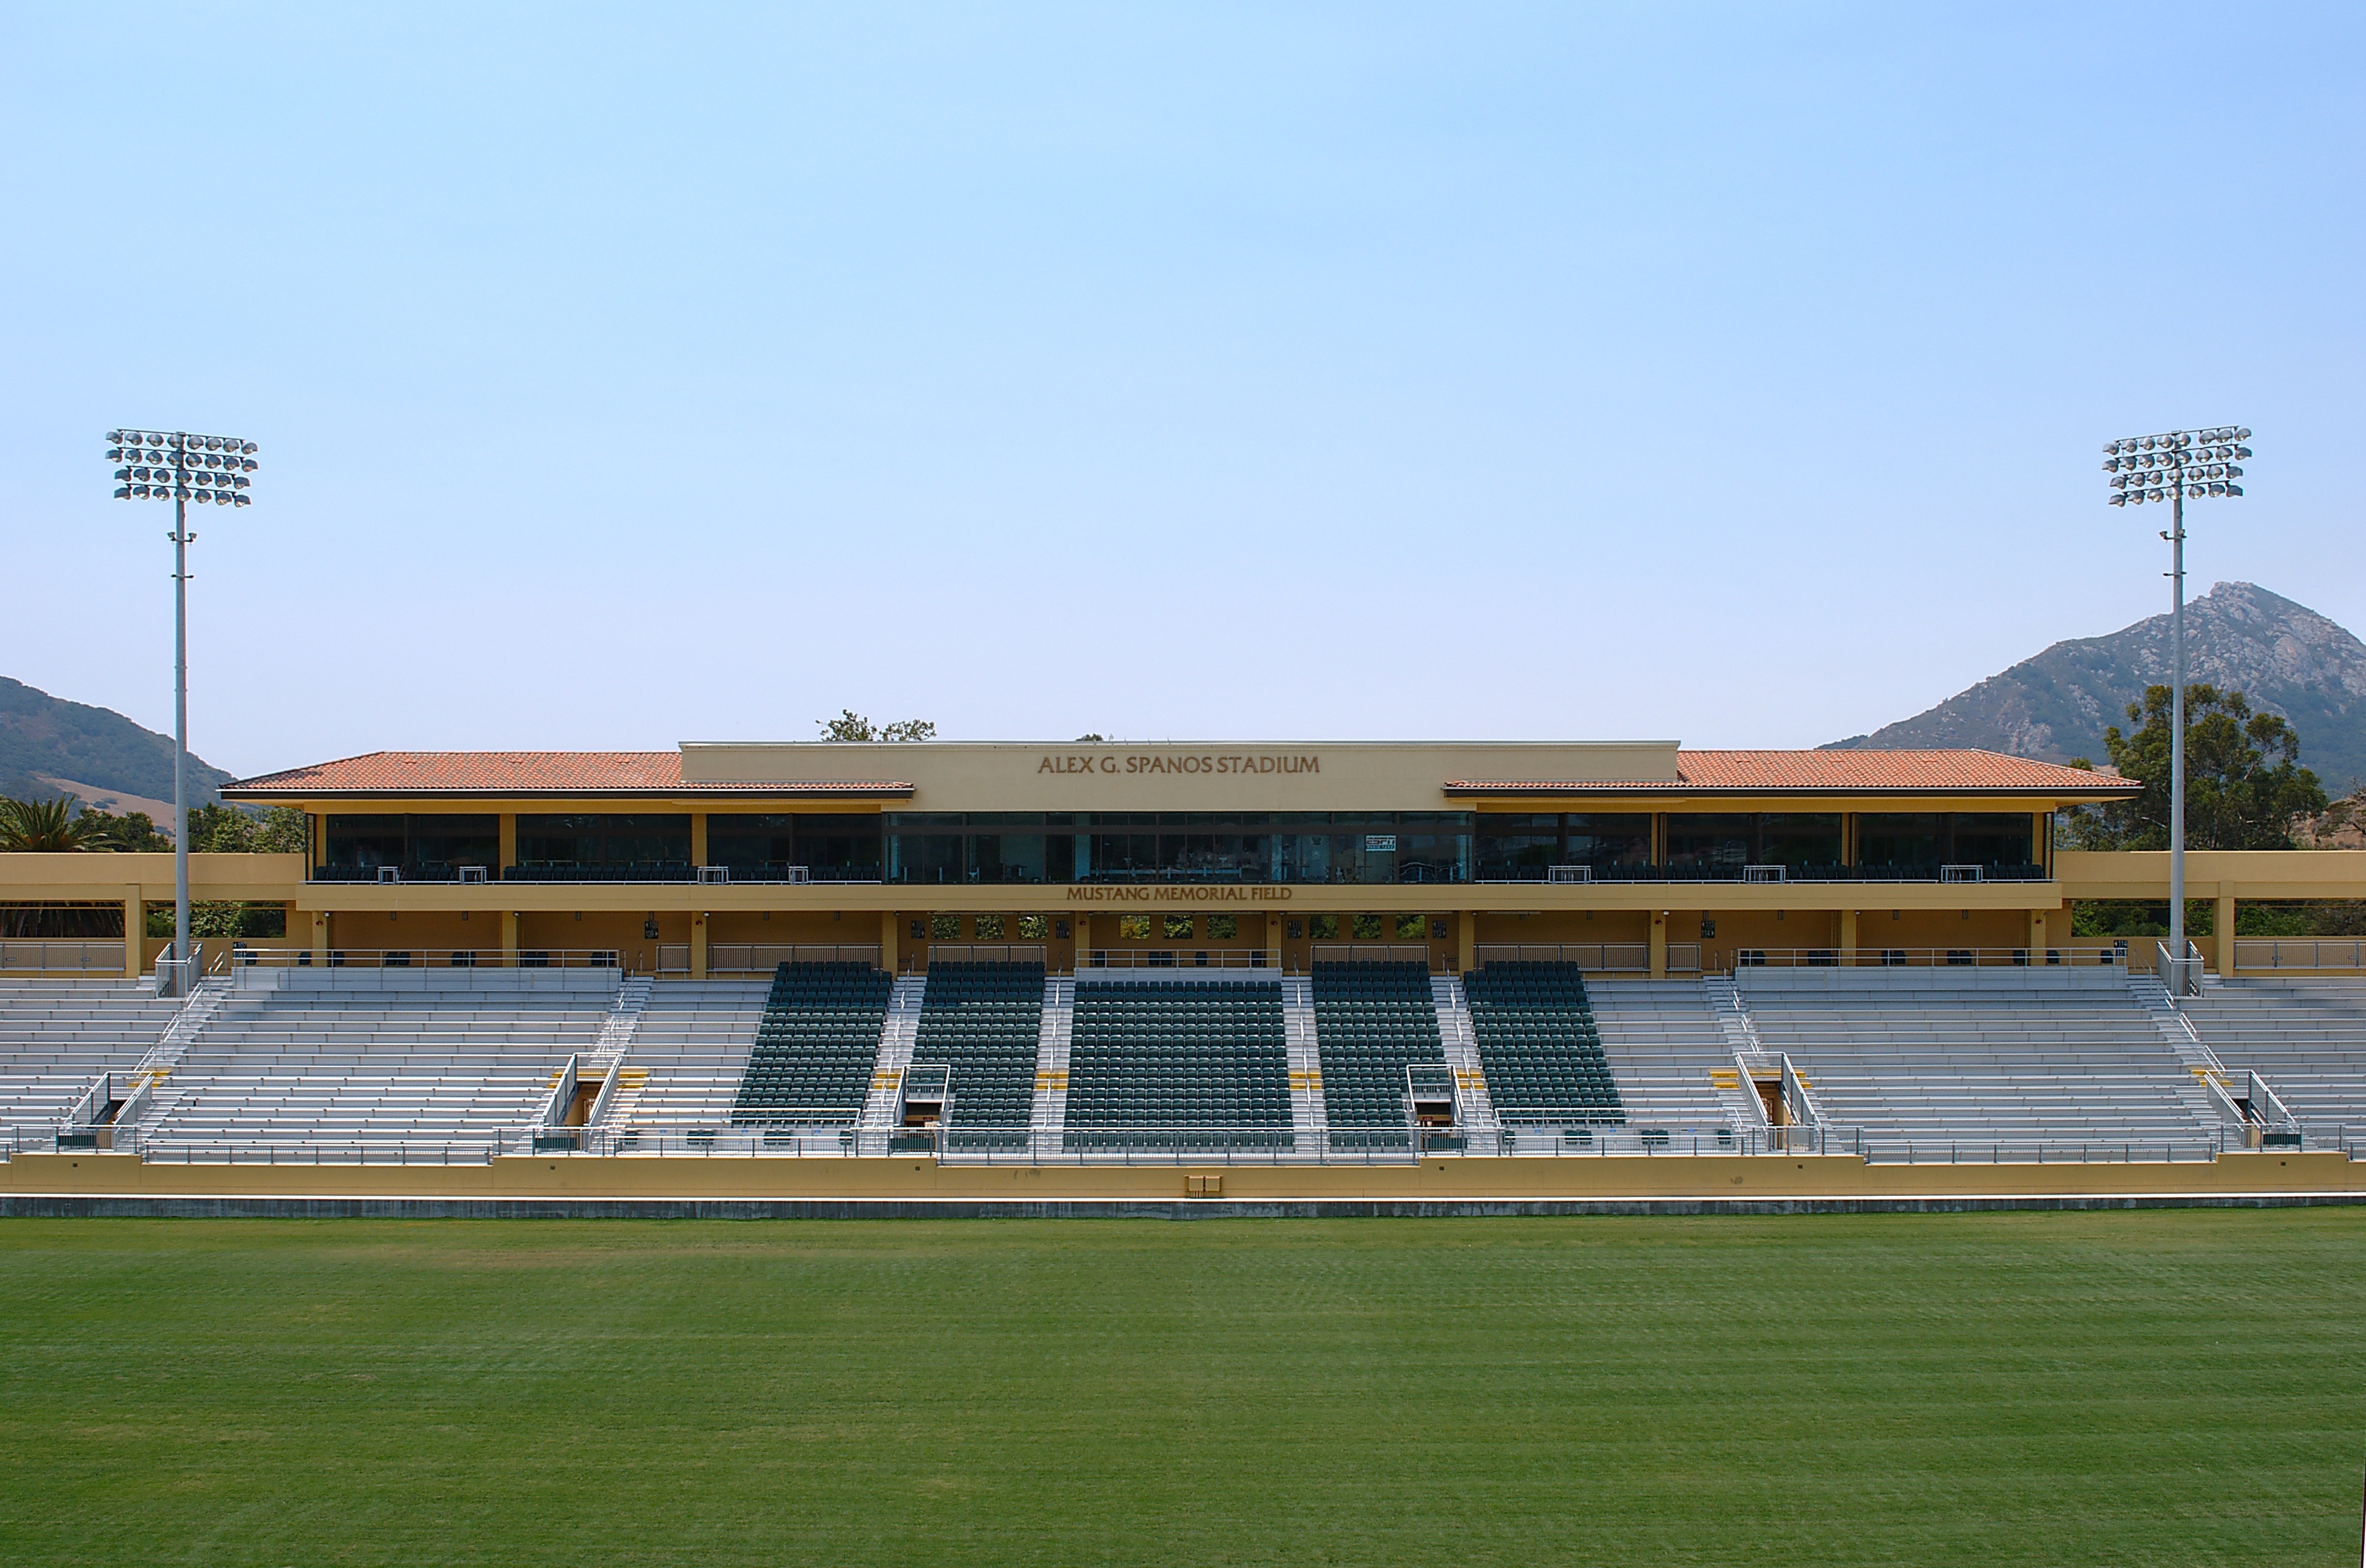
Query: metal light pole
x,y
174,466
2177,468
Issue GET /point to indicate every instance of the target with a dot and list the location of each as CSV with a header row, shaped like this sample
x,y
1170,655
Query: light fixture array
x,y
2182,464
163,465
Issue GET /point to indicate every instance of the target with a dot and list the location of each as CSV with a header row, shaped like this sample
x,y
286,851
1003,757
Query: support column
x,y
1083,930
320,938
698,945
2037,942
509,934
1468,940
1658,943
509,843
888,920
1848,939
1273,935
135,932
2224,925
698,838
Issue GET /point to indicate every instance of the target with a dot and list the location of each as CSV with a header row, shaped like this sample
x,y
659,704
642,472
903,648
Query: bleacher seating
x,y
1662,1042
815,1051
1371,1021
57,1035
1179,1063
1538,1046
340,1070
689,1054
2008,1059
983,1021
2307,1037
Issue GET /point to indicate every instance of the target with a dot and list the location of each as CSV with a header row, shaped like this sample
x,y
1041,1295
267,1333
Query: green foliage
x,y
230,830
132,831
2009,1390
2137,917
212,921
2244,784
50,827
851,726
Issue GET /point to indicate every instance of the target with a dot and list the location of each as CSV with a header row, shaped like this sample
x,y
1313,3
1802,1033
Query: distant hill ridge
x,y
2285,657
45,740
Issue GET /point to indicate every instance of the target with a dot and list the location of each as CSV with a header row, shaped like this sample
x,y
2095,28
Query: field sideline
x,y
2166,1387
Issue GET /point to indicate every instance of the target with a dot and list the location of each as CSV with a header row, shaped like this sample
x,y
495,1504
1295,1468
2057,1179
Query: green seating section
x,y
1180,1064
1538,1044
985,1022
815,1048
1370,1020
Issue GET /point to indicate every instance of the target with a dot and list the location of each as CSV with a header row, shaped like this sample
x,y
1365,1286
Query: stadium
x,y
883,976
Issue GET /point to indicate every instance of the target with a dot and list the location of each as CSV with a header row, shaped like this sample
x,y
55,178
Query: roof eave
x,y
1630,791
669,793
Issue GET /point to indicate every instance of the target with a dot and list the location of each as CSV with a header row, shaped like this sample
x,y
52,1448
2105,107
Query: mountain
x,y
49,746
2285,657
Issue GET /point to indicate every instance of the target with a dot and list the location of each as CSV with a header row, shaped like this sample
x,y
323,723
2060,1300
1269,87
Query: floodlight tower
x,y
2177,468
157,465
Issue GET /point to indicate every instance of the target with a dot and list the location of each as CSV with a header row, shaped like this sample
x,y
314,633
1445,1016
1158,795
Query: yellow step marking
x,y
1052,1079
1725,1077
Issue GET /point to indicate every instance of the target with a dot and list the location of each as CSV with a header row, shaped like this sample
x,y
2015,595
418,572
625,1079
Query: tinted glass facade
x,y
605,839
833,848
1927,840
1721,845
1178,846
419,842
1517,846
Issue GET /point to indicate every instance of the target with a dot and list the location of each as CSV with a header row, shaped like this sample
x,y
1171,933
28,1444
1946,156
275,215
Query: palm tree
x,y
50,827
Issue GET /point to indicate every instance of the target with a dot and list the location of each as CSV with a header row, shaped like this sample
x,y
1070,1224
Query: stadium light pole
x,y
2177,468
159,465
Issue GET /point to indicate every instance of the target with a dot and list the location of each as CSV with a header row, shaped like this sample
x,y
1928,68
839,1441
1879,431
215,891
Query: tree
x,y
227,830
2244,784
50,827
1094,739
851,726
132,831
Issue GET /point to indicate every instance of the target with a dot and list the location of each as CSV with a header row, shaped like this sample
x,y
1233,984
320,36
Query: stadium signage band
x,y
1193,762
1255,893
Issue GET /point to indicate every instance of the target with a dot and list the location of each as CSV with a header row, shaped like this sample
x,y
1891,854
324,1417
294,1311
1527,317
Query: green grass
x,y
2181,1387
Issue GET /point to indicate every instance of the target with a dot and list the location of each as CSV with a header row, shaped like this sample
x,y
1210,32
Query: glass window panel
x,y
1609,840
364,841
840,846
750,840
1991,838
1798,839
557,840
1709,843
440,840
1910,840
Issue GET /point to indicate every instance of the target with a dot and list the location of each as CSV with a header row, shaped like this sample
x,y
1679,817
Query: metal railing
x,y
2086,956
423,959
987,953
2300,952
763,957
199,1151
1179,958
1607,957
49,956
1369,953
2181,973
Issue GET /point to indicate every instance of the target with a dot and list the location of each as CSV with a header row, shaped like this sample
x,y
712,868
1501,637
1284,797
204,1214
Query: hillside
x,y
2287,658
48,743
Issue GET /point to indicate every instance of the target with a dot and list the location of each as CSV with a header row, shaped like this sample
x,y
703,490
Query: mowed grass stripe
x,y
2165,1387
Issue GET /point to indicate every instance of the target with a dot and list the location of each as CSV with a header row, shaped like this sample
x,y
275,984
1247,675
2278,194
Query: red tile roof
x,y
1832,772
574,773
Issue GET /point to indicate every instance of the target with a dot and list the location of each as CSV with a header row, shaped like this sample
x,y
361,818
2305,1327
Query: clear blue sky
x,y
1735,375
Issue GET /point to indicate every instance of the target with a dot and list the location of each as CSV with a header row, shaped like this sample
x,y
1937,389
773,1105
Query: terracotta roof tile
x,y
523,773
1836,772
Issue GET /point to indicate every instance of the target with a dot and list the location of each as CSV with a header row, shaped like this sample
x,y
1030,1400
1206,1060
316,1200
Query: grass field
x,y
2179,1387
